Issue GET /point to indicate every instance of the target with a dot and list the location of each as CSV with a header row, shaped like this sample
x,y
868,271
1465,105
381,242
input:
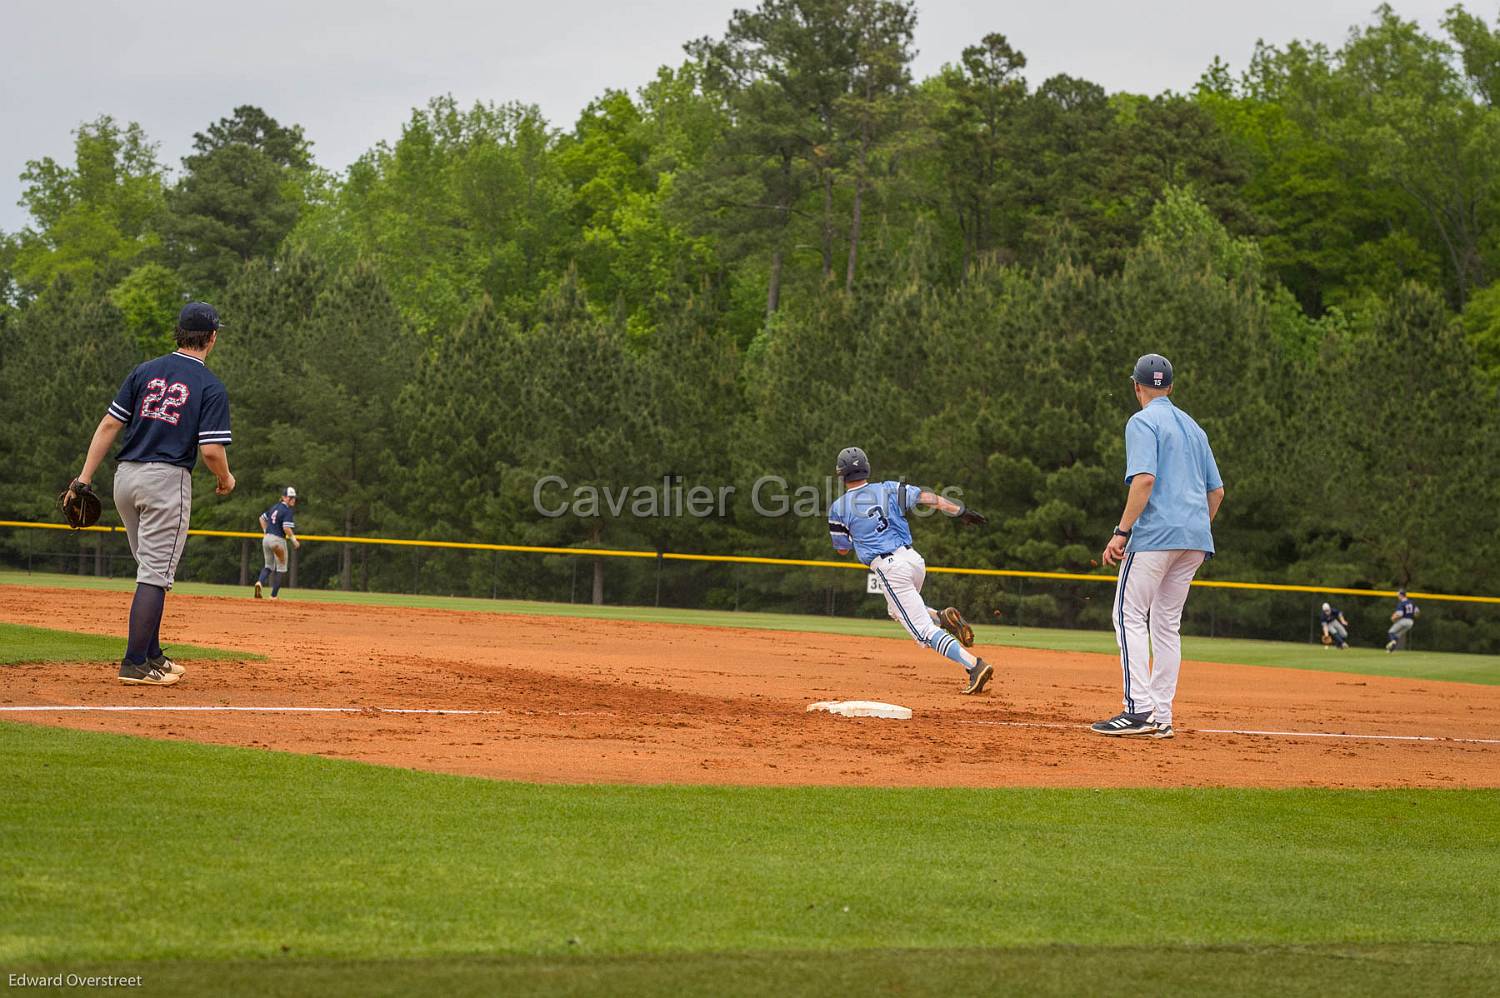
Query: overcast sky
x,y
349,71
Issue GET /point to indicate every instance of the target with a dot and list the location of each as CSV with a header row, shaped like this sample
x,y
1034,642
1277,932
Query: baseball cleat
x,y
144,675
164,664
978,676
1390,646
257,590
1125,724
1162,730
954,623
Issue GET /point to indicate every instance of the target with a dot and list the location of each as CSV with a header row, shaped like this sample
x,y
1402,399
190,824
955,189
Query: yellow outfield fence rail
x,y
737,559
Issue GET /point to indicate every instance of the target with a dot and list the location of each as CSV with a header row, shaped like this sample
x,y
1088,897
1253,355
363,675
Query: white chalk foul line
x,y
1259,734
1358,737
207,708
290,710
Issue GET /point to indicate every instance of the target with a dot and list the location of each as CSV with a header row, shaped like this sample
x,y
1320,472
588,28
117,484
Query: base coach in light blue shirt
x,y
1163,537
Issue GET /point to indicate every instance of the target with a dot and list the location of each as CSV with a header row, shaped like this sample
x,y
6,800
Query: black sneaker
x,y
144,674
1162,730
1125,724
978,676
164,664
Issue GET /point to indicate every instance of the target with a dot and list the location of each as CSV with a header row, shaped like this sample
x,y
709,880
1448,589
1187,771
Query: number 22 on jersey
x,y
163,400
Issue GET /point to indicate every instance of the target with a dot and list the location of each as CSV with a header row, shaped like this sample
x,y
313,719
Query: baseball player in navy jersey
x,y
1164,535
870,520
171,409
278,527
1335,627
1402,620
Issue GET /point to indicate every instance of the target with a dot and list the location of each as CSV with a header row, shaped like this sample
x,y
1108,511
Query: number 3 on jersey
x,y
163,400
883,524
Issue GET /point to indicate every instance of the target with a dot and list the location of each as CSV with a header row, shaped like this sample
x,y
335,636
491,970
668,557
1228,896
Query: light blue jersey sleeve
x,y
838,532
1211,469
1140,448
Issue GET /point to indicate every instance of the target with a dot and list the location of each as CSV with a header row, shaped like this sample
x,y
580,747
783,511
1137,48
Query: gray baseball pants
x,y
155,502
274,549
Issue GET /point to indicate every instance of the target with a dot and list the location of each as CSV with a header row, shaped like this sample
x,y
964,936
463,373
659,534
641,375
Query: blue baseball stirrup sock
x,y
275,583
947,645
145,621
265,575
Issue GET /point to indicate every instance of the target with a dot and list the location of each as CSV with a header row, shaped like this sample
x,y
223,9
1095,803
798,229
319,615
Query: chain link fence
x,y
648,581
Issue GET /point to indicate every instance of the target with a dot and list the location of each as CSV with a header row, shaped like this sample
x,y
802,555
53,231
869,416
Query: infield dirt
x,y
584,701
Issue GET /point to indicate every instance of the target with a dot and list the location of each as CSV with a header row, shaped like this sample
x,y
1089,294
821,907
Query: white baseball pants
x,y
901,576
1149,597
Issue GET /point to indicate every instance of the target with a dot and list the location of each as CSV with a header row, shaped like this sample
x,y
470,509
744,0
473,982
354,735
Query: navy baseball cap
x,y
198,317
1153,370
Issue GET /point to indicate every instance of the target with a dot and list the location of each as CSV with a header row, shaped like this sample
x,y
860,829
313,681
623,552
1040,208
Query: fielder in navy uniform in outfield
x,y
870,520
1163,537
1402,620
171,409
1335,627
277,526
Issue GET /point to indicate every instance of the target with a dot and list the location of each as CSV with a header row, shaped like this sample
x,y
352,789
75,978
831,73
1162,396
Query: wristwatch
x,y
1121,533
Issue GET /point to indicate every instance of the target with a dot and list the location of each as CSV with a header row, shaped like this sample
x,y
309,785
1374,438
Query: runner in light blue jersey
x,y
869,519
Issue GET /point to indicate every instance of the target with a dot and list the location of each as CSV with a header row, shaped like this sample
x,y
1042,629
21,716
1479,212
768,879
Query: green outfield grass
x,y
1414,970
211,869
22,644
1443,666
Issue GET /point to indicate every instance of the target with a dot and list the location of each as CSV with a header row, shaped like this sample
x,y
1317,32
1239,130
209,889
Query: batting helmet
x,y
1153,371
852,465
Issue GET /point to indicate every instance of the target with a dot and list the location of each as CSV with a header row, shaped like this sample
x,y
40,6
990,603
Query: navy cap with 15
x,y
198,317
1153,370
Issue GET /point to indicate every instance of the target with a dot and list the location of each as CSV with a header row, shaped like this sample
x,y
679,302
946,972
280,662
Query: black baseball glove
x,y
970,517
80,504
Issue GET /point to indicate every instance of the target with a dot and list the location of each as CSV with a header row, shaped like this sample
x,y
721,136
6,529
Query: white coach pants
x,y
1149,598
901,576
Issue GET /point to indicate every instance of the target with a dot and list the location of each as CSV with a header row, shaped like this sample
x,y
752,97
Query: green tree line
x,y
787,244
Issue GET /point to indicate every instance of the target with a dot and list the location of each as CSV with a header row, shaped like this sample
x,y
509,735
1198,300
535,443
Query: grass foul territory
x,y
337,875
20,644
